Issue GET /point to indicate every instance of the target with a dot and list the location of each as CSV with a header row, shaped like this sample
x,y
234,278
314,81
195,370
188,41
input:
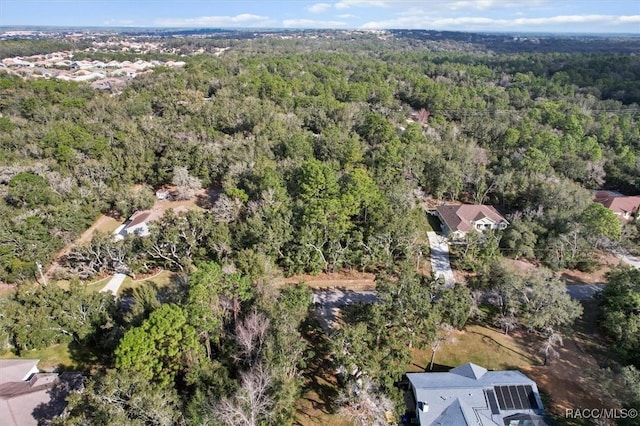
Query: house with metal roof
x,y
458,220
471,395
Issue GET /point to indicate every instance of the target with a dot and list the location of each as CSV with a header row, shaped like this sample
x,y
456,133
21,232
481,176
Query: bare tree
x,y
476,301
445,336
226,209
364,405
507,322
251,334
187,186
252,404
101,254
548,347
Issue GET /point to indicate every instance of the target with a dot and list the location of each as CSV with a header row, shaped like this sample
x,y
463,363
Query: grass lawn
x,y
51,357
162,279
480,345
311,412
92,286
108,225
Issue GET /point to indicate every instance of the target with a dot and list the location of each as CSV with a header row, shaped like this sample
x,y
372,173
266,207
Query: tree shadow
x,y
86,357
176,292
208,199
320,374
66,383
437,368
526,356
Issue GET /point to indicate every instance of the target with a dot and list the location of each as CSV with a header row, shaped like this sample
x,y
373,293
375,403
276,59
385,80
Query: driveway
x,y
584,291
114,284
328,304
440,265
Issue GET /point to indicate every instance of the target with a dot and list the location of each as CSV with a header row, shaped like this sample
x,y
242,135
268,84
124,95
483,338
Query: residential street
x,y
630,260
440,264
584,291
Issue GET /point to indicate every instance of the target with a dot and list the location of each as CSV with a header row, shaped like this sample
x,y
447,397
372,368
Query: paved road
x,y
440,264
630,260
328,304
584,291
114,284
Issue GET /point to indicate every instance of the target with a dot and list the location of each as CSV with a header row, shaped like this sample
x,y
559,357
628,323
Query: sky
x,y
567,16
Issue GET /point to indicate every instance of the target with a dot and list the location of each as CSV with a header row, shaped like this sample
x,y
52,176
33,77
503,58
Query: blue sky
x,y
591,16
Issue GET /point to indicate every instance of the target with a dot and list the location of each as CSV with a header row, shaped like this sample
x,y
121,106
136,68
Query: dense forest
x,y
318,153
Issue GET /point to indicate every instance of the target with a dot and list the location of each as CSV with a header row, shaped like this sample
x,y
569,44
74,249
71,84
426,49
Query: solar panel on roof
x,y
493,404
533,403
522,396
516,397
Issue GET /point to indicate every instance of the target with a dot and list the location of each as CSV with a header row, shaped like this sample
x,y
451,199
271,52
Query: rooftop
x,y
471,395
460,217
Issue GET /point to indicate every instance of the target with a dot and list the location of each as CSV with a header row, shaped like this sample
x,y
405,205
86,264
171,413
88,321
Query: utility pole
x,y
44,279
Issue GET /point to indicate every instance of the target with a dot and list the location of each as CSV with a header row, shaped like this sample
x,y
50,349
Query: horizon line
x,y
254,29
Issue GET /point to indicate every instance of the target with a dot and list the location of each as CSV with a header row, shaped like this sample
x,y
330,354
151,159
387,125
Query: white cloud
x,y
116,22
311,23
492,4
319,7
346,4
244,19
346,16
629,19
475,23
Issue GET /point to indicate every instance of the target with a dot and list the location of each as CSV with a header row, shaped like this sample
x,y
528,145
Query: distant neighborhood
x,y
62,66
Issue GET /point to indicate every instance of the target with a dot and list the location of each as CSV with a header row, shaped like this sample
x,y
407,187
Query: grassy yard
x,y
50,357
480,345
162,279
91,286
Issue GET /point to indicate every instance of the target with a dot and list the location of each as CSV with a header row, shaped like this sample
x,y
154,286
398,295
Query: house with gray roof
x,y
471,395
28,397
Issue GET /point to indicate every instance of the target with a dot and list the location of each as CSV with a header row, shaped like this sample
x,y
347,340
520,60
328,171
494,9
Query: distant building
x,y
458,220
163,194
26,396
137,225
471,395
625,207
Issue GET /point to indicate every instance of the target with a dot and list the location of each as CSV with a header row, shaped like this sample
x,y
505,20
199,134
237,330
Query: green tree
x,y
600,222
164,346
621,312
30,191
124,397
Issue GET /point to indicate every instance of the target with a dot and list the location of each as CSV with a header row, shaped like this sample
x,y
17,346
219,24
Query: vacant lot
x,y
353,280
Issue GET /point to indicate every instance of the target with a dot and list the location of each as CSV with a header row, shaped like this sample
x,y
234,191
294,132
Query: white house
x,y
137,225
